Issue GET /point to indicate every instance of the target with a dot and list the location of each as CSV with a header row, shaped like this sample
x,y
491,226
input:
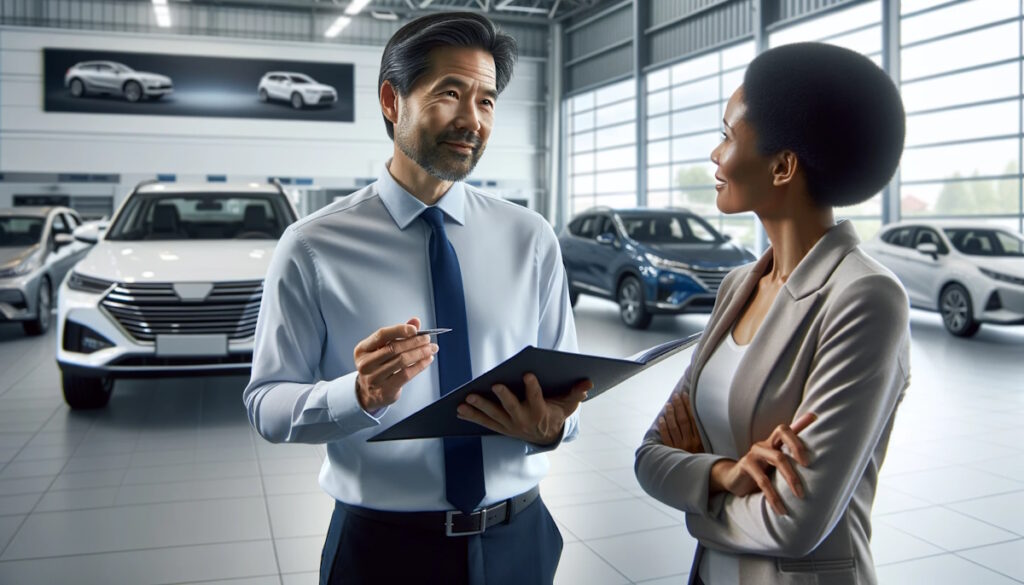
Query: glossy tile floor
x,y
170,485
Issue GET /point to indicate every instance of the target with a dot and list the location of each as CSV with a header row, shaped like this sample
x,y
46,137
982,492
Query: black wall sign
x,y
137,83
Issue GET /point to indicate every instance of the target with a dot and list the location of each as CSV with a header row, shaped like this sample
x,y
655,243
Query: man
x,y
337,358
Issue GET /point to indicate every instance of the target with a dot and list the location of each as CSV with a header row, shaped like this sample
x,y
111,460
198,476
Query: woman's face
x,y
744,175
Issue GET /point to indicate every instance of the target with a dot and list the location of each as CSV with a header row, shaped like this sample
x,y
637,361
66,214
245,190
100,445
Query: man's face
x,y
444,123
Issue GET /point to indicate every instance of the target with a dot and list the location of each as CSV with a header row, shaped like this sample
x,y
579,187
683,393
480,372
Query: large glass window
x,y
684,128
960,69
602,148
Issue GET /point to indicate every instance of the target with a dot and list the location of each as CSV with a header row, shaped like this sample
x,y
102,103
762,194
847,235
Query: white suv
x,y
172,287
298,89
111,77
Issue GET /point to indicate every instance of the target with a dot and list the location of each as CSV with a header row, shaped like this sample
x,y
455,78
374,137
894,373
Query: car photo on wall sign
x,y
301,91
115,79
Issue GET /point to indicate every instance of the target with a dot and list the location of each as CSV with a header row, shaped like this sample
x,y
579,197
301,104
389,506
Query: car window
x,y
606,226
903,237
669,229
588,227
985,242
20,231
72,220
59,227
202,216
930,236
297,79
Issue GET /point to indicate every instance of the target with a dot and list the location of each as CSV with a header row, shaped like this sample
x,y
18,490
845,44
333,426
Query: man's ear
x,y
784,168
389,102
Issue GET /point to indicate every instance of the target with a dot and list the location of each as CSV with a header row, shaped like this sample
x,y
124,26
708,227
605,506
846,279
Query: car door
x,y
602,257
283,87
580,253
892,251
105,78
922,272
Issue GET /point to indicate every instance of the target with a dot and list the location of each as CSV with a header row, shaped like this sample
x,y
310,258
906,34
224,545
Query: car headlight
x,y
660,262
1002,277
27,265
83,283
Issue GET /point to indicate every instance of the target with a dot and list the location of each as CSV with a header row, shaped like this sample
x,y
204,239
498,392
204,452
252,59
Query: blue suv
x,y
650,261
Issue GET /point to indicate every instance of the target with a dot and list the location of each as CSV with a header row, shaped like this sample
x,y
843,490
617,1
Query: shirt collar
x,y
404,208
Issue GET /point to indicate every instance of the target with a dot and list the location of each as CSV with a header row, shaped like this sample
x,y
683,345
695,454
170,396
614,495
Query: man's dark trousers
x,y
361,551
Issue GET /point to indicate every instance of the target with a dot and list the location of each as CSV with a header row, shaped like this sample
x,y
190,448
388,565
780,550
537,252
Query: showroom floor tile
x,y
171,485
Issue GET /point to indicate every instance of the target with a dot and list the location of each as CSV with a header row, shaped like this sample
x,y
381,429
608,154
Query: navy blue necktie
x,y
463,456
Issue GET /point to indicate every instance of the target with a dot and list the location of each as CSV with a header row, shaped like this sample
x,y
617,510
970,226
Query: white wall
x,y
333,153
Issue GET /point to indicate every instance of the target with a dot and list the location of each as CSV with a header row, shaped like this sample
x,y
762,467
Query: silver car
x,y
970,272
111,77
36,250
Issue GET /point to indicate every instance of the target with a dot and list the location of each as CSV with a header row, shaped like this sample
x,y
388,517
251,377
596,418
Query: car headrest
x,y
165,218
972,245
255,218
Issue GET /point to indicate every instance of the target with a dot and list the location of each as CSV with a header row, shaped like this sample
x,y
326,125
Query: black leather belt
x,y
453,522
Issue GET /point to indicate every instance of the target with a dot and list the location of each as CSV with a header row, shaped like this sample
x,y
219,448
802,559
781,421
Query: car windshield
x,y
670,229
202,216
121,68
301,79
986,242
20,231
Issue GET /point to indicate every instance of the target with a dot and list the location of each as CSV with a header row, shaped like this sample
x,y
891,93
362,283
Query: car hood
x,y
1013,266
178,261
147,76
702,255
13,256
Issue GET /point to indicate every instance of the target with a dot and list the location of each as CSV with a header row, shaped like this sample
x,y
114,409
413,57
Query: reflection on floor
x,y
170,485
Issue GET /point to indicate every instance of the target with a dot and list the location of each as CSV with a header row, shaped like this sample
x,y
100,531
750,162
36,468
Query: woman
x,y
773,438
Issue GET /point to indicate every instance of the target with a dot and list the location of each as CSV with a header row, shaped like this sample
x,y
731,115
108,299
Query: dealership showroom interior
x,y
210,258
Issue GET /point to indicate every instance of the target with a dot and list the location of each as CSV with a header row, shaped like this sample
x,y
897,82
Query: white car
x,y
110,77
298,89
172,287
971,273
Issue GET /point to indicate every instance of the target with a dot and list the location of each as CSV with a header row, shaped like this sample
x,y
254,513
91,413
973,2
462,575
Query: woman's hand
x,y
678,426
750,473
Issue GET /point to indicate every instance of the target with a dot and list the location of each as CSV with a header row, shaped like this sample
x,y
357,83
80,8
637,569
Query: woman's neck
x,y
792,235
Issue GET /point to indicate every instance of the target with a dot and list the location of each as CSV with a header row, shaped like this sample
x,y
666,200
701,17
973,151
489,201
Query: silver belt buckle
x,y
448,523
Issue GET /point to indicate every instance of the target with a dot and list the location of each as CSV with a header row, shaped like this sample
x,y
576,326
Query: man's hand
x,y
677,425
535,420
387,360
750,473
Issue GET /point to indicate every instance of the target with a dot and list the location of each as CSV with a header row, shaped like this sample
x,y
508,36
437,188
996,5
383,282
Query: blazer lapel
x,y
783,327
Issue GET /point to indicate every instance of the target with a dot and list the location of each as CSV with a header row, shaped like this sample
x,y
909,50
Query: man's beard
x,y
439,160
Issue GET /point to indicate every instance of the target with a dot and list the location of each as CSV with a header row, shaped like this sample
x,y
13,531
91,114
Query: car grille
x,y
711,279
151,309
326,98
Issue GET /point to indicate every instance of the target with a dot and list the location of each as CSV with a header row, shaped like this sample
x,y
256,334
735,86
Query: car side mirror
x,y
928,249
606,239
727,237
88,233
61,240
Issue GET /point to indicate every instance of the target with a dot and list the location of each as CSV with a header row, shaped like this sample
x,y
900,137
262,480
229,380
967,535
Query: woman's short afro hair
x,y
835,109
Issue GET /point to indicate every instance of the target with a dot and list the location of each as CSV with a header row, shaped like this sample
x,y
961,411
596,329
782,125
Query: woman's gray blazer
x,y
835,342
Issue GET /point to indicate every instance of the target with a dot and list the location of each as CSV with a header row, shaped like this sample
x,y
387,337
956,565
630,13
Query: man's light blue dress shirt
x,y
360,264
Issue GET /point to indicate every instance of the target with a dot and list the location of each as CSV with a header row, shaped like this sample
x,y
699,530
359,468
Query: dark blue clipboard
x,y
557,372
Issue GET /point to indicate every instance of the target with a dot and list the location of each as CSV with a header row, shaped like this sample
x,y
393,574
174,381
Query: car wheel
x,y
83,393
263,95
631,304
44,311
297,102
132,91
77,88
957,311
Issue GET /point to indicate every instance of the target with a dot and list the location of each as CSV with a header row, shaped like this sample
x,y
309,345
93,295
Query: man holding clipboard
x,y
337,358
